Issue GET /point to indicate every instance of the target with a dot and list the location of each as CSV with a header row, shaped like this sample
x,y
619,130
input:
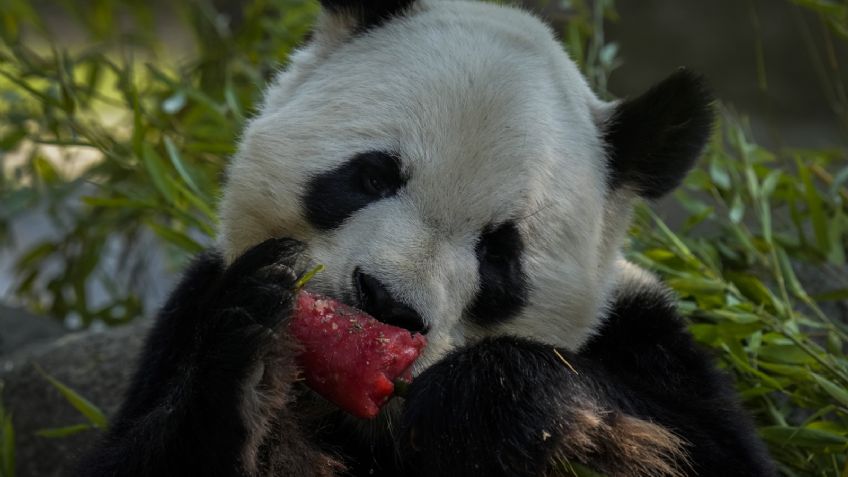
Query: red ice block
x,y
349,357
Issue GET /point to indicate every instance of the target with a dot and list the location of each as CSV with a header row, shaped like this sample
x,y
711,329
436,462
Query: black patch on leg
x,y
369,13
493,409
653,140
656,368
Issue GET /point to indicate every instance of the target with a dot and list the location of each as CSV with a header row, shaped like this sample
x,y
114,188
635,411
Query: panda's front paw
x,y
245,310
492,409
259,285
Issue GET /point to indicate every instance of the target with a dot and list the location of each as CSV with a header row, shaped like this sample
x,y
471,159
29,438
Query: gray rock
x,y
97,365
19,329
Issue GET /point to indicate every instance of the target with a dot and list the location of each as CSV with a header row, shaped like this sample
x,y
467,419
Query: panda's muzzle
x,y
378,302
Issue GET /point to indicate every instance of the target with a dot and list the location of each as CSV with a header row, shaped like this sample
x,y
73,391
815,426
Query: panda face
x,y
448,169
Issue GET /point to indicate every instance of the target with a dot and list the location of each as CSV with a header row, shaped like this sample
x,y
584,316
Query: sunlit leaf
x,y
839,393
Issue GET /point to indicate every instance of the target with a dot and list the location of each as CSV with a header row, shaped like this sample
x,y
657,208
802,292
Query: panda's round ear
x,y
366,13
653,140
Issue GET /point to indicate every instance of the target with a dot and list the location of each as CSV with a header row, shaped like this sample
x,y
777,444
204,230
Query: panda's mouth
x,y
374,298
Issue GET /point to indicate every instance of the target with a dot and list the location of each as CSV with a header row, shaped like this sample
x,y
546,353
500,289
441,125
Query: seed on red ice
x,y
349,357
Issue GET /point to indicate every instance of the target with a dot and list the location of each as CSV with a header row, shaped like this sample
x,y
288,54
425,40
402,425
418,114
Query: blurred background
x,y
117,118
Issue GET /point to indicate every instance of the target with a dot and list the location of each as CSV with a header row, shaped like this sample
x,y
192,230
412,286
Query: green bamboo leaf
x,y
839,178
801,437
770,182
815,208
11,140
737,209
834,343
35,255
705,333
799,373
575,44
672,238
695,285
754,289
827,7
755,340
785,354
765,220
180,166
44,98
94,415
838,227
116,202
158,172
177,238
232,102
735,316
659,254
719,175
833,295
788,273
815,422
836,392
740,361
750,393
64,431
740,331
46,171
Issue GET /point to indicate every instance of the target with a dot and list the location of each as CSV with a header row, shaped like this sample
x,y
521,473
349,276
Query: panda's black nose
x,y
376,300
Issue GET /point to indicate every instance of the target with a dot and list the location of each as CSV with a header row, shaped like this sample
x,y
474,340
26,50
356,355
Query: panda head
x,y
453,171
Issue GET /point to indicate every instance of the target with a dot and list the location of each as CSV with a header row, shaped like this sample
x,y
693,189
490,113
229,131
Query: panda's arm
x,y
209,392
639,399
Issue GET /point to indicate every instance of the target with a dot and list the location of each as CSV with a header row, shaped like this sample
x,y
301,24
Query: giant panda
x,y
455,174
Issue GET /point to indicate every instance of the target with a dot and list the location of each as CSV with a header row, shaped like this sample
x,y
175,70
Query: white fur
x,y
492,121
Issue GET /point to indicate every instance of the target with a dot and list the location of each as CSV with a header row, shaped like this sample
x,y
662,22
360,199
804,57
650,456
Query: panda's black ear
x,y
653,140
367,13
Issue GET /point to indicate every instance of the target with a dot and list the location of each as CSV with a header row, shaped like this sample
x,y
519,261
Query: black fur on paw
x,y
242,313
259,285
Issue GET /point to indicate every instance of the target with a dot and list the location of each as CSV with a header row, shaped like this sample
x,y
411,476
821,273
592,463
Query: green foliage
x,y
155,125
154,128
586,44
754,219
833,12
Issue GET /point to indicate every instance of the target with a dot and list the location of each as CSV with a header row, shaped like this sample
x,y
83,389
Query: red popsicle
x,y
349,357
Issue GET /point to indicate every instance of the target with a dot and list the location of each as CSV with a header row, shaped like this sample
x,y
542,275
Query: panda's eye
x,y
374,185
333,196
379,174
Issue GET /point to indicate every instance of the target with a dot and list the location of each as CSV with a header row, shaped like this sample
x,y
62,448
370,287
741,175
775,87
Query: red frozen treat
x,y
348,356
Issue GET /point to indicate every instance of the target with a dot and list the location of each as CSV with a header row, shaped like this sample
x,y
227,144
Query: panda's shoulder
x,y
641,306
643,320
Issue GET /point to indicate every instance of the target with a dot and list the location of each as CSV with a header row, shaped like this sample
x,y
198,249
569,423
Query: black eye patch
x,y
333,196
503,284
